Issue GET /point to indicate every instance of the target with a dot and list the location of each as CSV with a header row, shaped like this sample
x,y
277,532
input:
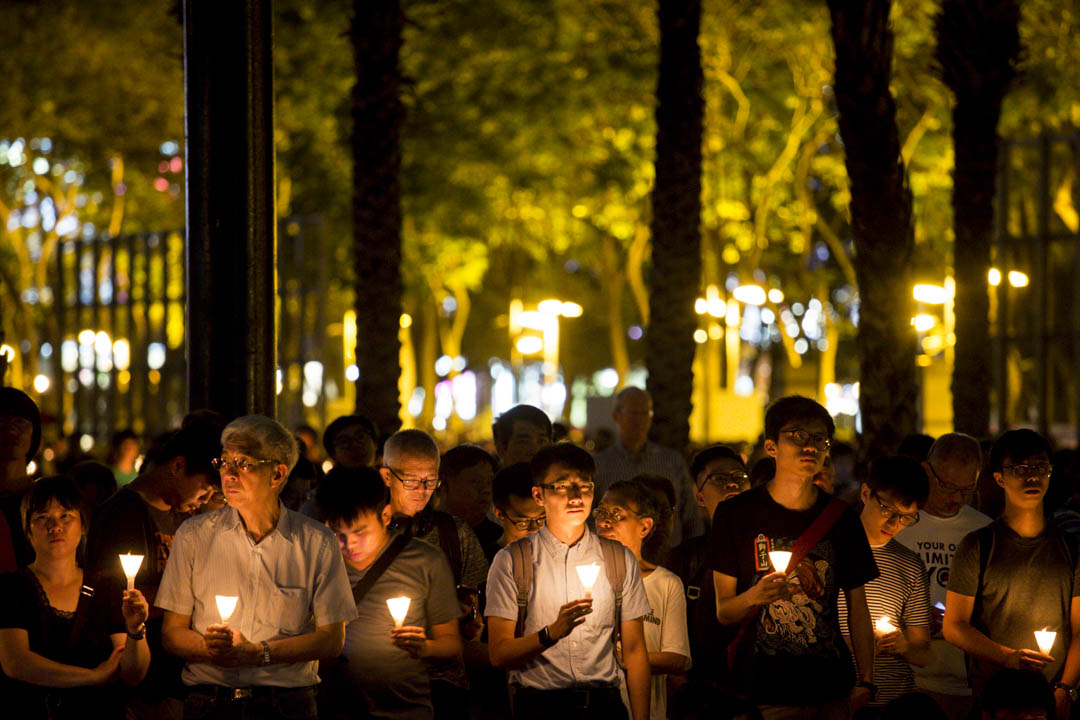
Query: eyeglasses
x,y
949,488
890,513
415,483
614,515
803,439
527,523
564,488
236,465
1023,470
731,480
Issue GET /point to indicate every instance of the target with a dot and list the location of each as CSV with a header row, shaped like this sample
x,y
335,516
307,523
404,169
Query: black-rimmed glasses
x,y
889,513
804,438
414,483
236,465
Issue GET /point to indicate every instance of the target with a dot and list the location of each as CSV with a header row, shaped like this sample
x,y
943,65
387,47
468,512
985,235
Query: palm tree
x,y
676,213
978,48
881,222
377,115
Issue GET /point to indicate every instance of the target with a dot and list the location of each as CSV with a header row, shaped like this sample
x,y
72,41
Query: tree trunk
x,y
978,46
881,222
676,222
377,115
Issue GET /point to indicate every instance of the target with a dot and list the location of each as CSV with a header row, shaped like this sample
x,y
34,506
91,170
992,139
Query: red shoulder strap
x,y
812,535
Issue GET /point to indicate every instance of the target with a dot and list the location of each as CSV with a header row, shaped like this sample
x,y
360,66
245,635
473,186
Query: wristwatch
x,y
266,653
545,637
1072,692
138,634
869,686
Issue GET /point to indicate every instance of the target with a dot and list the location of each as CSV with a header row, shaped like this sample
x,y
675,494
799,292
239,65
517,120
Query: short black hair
x,y
16,403
347,421
795,407
512,481
198,442
60,488
1018,690
461,458
503,427
713,452
1017,445
916,445
565,453
902,476
347,493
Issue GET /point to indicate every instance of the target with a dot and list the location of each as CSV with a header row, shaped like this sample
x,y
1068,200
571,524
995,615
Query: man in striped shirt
x,y
899,599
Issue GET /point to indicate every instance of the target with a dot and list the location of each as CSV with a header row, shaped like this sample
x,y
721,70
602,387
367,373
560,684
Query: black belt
x,y
582,697
230,694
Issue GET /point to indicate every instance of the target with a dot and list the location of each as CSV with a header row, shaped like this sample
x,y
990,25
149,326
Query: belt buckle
x,y
241,693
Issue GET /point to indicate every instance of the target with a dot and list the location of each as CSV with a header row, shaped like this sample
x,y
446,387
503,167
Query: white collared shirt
x,y
585,656
290,582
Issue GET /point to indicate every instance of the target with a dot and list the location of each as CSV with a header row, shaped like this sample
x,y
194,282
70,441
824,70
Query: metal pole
x,y
231,228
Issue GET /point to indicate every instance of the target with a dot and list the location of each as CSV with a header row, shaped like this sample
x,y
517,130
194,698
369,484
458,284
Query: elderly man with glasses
x,y
284,572
1018,575
952,468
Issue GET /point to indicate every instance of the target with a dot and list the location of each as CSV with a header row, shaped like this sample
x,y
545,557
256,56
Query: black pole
x,y
231,229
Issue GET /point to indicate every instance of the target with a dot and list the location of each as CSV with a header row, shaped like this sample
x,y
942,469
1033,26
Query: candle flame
x,y
131,564
399,608
884,625
226,605
780,559
1045,640
588,574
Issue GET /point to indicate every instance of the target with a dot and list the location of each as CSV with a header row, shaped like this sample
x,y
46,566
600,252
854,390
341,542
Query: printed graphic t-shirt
x,y
794,653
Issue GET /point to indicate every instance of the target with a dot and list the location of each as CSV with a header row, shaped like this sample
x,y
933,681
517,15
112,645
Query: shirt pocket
x,y
291,610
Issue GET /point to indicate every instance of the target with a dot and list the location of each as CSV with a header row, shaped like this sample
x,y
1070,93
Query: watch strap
x,y
266,653
545,637
138,634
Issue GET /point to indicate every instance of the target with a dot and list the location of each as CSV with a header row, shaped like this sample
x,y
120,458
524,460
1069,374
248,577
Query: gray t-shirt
x,y
1028,584
390,682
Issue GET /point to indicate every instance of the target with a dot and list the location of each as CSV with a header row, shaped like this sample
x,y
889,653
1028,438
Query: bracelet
x,y
265,653
545,637
138,634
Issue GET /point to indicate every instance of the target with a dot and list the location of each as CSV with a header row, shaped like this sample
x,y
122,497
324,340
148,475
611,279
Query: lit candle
x,y
884,625
131,565
780,559
226,606
1045,639
399,608
588,575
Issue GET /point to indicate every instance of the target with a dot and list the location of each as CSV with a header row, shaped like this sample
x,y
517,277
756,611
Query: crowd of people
x,y
540,580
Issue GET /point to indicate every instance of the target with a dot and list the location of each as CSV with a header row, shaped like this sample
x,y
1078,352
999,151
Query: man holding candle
x,y
792,658
1017,576
564,665
385,669
284,567
898,599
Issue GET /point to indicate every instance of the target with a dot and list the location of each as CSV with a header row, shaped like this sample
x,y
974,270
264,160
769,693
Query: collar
x,y
231,520
557,549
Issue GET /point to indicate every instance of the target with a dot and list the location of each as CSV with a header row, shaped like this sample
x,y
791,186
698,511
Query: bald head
x,y
633,417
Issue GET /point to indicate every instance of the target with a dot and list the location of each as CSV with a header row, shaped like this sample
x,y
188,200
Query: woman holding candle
x,y
63,636
628,514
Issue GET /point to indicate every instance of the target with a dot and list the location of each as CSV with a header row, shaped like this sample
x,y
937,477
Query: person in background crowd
x,y
1065,484
465,477
383,670
411,471
952,466
65,635
913,705
351,441
719,475
310,438
515,507
657,545
633,454
123,453
789,619
564,664
20,437
985,615
519,433
762,472
628,514
301,483
826,479
846,471
96,483
141,519
916,445
1018,695
286,571
891,497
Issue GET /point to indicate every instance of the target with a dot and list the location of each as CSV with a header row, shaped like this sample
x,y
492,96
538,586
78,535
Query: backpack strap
x,y
522,566
615,567
450,542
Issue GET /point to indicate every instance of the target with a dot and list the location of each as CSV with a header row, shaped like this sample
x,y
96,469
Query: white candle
x,y
884,625
131,565
780,559
588,574
226,606
399,608
1045,639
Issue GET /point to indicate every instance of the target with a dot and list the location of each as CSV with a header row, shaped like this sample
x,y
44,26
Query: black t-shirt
x,y
794,653
23,604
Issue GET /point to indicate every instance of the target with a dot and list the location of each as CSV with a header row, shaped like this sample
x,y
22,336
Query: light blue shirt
x,y
290,582
585,656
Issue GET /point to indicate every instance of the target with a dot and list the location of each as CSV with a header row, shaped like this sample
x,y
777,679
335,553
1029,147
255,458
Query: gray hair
x,y
263,438
410,443
956,447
